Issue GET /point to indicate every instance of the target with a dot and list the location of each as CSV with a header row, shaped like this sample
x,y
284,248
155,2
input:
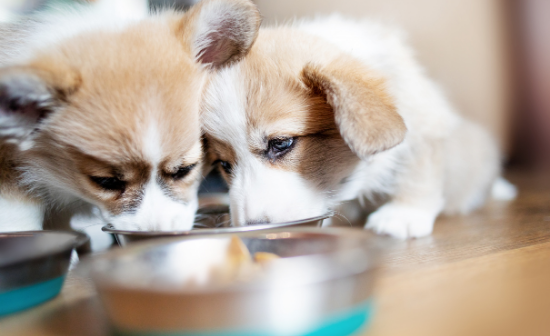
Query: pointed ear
x,y
364,113
221,32
28,94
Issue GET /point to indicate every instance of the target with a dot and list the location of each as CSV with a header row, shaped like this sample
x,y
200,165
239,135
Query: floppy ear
x,y
221,32
364,113
28,95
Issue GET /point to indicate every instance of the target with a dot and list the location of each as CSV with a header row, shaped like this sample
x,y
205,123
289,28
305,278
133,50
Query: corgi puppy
x,y
99,111
331,109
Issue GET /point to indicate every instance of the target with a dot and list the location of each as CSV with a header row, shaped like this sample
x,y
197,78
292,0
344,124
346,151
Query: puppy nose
x,y
258,221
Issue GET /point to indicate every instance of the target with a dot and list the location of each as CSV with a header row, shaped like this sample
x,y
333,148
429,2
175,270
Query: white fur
x,y
152,145
259,193
156,212
227,98
63,22
402,221
16,215
374,176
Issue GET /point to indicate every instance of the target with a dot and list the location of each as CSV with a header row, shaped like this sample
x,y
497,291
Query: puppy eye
x,y
109,183
226,166
279,146
182,172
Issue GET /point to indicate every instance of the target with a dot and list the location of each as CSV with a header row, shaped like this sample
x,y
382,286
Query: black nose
x,y
258,221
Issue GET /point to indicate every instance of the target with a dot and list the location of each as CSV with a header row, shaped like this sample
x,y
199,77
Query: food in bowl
x,y
316,281
238,264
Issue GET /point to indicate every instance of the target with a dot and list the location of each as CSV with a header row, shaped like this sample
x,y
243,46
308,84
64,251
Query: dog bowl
x,y
321,285
209,220
33,265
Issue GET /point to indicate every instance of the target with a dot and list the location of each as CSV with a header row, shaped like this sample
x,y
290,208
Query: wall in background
x,y
531,20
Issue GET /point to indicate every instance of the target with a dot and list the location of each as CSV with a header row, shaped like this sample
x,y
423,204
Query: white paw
x,y
401,221
502,190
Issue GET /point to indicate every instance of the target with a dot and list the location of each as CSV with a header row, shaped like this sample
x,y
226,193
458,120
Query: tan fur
x,y
115,91
8,174
331,104
218,150
118,99
364,112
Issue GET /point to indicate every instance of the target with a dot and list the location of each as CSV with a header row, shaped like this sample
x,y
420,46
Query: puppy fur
x,y
362,119
102,111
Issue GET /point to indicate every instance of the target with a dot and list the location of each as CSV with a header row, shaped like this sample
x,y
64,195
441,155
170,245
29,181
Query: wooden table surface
x,y
483,274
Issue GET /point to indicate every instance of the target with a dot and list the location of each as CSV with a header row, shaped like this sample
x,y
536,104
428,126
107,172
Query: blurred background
x,y
492,57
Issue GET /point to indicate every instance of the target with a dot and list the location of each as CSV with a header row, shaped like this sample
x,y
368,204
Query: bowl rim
x,y
375,249
234,229
79,238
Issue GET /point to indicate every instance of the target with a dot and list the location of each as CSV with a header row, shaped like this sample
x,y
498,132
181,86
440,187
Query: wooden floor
x,y
483,274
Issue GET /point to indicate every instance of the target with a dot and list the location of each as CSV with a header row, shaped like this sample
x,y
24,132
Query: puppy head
x,y
288,133
112,117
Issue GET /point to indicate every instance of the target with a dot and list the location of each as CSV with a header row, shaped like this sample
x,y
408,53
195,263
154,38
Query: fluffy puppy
x,y
102,111
331,109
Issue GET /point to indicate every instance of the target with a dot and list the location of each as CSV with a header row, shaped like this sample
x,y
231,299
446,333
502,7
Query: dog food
x,y
239,265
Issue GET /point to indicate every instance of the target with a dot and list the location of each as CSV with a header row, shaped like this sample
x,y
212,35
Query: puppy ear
x,y
28,94
221,31
364,113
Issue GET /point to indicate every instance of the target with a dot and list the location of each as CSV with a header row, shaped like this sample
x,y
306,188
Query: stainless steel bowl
x,y
322,285
33,265
210,220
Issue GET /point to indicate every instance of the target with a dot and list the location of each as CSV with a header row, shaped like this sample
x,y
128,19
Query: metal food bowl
x,y
33,265
210,220
321,285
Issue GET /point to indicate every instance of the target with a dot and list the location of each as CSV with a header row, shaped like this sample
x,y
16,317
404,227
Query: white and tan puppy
x,y
99,111
331,109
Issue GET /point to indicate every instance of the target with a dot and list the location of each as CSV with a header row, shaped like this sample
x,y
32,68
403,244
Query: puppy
x,y
331,109
102,112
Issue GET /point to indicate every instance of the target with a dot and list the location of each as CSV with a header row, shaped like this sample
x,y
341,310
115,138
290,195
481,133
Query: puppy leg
x,y
418,199
472,169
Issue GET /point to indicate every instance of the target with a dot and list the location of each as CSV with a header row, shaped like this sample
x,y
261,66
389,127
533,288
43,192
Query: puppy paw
x,y
401,221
